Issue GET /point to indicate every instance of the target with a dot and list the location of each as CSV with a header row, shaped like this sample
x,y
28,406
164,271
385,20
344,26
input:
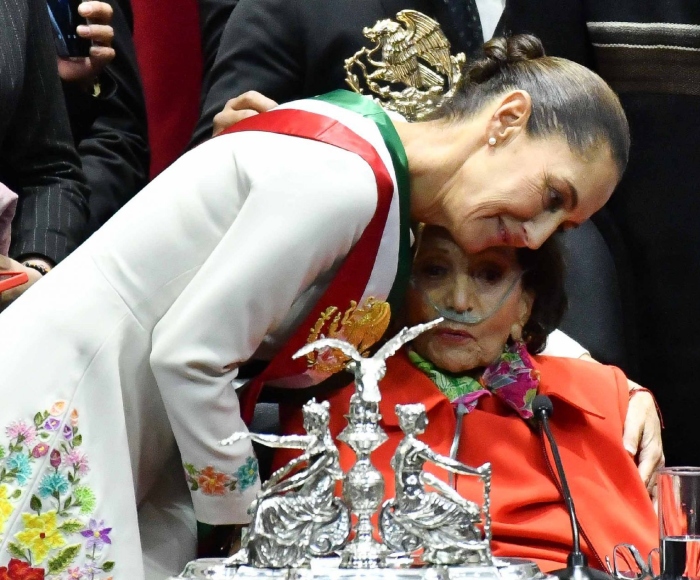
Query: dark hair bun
x,y
500,52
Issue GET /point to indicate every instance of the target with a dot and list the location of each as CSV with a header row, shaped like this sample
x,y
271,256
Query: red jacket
x,y
529,517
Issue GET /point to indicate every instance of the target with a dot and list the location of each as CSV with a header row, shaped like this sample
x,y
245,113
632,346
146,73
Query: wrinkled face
x,y
455,347
520,192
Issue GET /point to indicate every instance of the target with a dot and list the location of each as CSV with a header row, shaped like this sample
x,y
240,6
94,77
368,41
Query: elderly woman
x,y
293,224
476,376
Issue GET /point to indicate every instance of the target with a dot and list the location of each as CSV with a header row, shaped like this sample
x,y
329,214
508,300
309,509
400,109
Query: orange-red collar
x,y
405,384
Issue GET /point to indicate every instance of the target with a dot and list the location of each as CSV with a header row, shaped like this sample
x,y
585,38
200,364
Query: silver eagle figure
x,y
297,518
368,371
427,513
363,486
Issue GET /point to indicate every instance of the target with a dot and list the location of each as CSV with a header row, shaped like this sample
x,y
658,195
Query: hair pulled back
x,y
567,98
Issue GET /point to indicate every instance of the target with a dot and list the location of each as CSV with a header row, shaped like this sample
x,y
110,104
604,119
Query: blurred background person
x,y
38,160
107,110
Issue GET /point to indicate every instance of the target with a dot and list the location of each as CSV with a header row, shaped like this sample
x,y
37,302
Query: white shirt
x,y
490,12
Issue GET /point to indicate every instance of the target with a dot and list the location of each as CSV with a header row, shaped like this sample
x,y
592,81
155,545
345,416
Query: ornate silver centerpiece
x,y
300,529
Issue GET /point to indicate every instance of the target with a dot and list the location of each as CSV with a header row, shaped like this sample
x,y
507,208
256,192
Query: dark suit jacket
x,y
289,49
110,131
37,157
213,16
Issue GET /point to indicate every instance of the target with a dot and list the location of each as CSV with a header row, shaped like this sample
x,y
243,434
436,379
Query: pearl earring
x,y
492,141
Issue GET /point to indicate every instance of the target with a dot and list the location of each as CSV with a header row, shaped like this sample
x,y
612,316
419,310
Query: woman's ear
x,y
510,117
527,299
524,310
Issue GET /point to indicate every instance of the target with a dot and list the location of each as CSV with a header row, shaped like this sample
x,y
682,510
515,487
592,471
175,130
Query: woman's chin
x,y
456,365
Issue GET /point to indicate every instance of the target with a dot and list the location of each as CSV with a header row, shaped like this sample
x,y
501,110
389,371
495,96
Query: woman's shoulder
x,y
588,385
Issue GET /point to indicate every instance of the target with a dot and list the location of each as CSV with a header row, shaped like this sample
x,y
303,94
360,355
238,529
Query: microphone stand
x,y
577,567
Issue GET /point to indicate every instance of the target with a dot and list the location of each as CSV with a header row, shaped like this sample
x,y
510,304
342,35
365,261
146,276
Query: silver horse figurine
x,y
441,522
297,518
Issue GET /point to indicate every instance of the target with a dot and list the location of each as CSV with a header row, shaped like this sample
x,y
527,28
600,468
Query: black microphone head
x,y
542,405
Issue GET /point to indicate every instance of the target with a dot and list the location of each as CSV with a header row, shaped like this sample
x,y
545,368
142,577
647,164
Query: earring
x,y
516,332
492,141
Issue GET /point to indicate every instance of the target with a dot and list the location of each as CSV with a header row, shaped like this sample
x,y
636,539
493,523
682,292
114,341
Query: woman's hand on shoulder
x,y
642,434
246,105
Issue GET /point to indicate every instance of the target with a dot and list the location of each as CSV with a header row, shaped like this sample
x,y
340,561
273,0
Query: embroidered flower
x,y
40,535
6,508
22,432
40,450
55,458
213,482
247,474
91,570
96,534
53,483
43,536
19,464
84,497
18,570
51,424
77,460
58,408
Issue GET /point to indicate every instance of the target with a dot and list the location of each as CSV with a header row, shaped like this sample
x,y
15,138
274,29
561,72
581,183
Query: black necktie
x,y
461,24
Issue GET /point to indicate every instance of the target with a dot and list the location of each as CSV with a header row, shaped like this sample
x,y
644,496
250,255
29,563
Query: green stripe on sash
x,y
371,110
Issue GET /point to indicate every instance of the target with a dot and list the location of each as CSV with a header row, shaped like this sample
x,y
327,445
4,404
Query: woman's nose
x,y
539,230
462,294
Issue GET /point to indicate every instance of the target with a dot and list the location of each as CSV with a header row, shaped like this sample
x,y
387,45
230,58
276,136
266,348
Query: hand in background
x,y
642,435
9,265
101,33
244,106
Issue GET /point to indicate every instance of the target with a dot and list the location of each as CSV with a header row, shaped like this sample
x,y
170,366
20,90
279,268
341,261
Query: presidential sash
x,y
345,310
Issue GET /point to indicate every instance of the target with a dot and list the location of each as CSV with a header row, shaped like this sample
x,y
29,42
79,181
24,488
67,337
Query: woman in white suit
x,y
292,225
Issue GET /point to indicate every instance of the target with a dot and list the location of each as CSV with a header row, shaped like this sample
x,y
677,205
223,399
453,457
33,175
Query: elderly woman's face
x,y
522,191
445,275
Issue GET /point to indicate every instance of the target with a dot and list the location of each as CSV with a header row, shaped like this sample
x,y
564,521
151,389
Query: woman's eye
x,y
555,200
490,275
433,271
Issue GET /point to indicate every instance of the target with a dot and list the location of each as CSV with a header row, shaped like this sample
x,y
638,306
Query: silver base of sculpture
x,y
300,529
329,569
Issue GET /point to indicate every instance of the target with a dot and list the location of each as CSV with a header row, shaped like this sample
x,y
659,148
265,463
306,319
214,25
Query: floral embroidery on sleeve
x,y
212,482
55,536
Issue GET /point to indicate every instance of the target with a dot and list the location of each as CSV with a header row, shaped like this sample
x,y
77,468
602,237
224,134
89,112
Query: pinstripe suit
x,y
37,155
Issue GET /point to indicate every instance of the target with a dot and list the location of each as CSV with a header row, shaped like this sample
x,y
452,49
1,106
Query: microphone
x,y
576,564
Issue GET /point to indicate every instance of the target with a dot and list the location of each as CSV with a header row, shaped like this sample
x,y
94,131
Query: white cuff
x,y
562,345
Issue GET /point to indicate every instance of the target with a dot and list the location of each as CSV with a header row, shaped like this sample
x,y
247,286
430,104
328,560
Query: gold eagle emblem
x,y
417,55
362,326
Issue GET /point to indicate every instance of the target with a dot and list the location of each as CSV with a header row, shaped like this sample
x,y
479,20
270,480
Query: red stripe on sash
x,y
352,277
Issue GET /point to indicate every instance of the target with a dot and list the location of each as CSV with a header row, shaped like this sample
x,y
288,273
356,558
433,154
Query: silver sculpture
x,y
297,518
441,522
300,530
363,486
